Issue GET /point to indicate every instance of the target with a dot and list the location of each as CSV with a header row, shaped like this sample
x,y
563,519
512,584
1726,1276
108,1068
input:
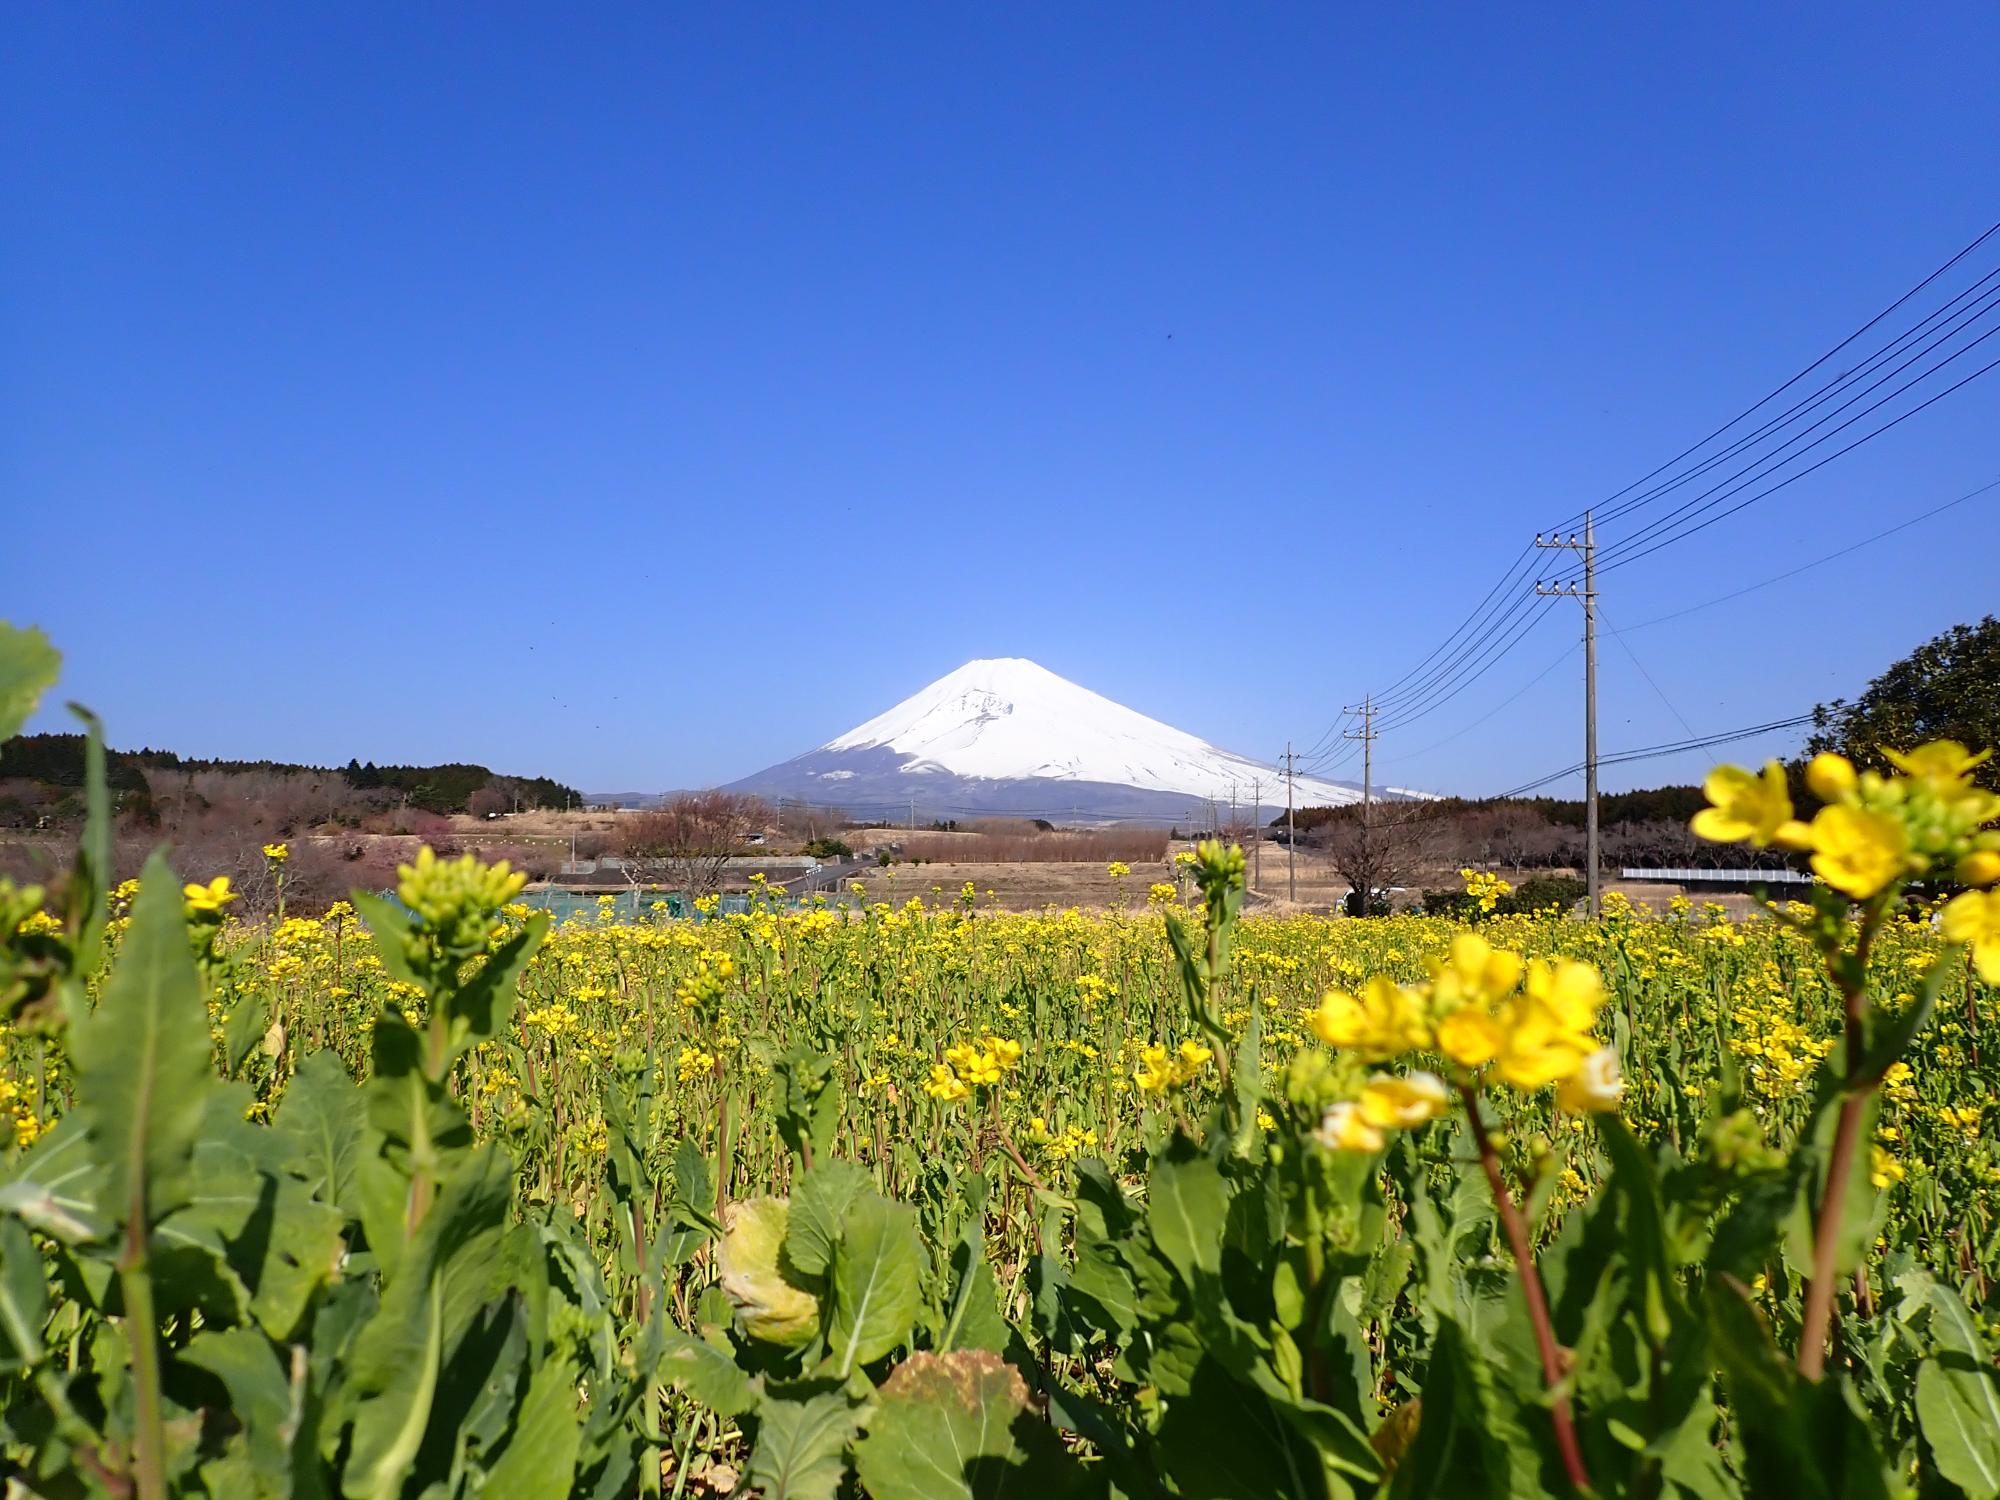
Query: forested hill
x,y
56,760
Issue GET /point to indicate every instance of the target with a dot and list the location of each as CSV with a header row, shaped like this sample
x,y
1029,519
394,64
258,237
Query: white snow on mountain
x,y
1007,718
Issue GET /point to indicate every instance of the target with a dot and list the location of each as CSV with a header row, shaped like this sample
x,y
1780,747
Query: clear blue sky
x,y
642,395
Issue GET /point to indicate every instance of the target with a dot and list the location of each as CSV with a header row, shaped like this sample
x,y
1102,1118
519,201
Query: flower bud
x,y
1830,776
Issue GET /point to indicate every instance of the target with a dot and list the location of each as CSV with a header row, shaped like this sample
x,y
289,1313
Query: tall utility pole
x,y
1588,594
1256,834
1366,734
1291,833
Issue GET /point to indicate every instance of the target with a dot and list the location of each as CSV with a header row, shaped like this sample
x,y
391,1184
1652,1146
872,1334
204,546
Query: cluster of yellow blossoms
x,y
1485,887
1527,1023
1060,1145
1162,1072
1874,830
969,1065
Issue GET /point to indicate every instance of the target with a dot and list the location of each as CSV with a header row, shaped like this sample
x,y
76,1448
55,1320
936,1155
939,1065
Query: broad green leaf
x,y
29,666
1224,1441
771,1307
539,1461
86,895
260,1398
1186,1205
389,922
142,1059
24,1298
486,1001
1800,1439
956,1427
1103,1289
320,1123
58,1186
801,1447
819,1206
299,1253
1958,1408
450,1268
708,1374
1958,1397
875,1285
1471,1437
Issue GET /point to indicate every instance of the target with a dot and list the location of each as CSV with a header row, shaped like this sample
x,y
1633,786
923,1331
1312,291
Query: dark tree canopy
x,y
1946,689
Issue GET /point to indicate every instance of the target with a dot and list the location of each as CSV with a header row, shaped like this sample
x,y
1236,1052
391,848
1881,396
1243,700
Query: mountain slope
x,y
1008,736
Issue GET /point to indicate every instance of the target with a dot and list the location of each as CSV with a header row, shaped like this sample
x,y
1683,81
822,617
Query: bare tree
x,y
1393,846
685,842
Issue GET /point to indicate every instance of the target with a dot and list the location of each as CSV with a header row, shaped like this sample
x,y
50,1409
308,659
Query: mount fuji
x,y
1008,737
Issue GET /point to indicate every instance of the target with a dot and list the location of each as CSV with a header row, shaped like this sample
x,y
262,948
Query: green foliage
x,y
29,666
250,1272
1946,689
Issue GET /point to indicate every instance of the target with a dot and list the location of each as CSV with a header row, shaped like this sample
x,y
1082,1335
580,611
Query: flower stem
x,y
1516,1228
1817,1317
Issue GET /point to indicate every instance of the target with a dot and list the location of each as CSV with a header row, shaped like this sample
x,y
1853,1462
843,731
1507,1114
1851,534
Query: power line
x,y
1825,393
1507,702
1868,541
1494,613
1656,752
1716,494
1571,520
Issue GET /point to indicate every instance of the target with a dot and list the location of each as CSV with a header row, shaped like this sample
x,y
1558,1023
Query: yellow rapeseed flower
x,y
1746,807
1387,1101
1974,919
1384,1020
1345,1128
208,898
1857,849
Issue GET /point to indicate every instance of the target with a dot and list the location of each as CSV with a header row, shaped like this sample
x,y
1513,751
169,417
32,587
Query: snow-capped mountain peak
x,y
1006,734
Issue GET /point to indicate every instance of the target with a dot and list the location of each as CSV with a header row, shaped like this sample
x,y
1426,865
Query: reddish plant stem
x,y
1816,1321
1516,1228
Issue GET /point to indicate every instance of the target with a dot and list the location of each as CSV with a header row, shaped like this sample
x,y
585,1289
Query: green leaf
x,y
1958,1408
260,1398
300,1252
248,1022
539,1461
1471,1436
486,1001
58,1186
875,1286
1801,1439
452,1266
389,922
771,1307
143,1072
320,1124
24,1298
29,666
1958,1397
708,1373
800,1447
86,897
1186,1206
819,1206
956,1427
1224,1440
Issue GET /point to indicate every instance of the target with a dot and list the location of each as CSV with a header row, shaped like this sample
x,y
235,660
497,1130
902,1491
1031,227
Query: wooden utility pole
x,y
1291,833
1256,834
1588,594
1366,734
